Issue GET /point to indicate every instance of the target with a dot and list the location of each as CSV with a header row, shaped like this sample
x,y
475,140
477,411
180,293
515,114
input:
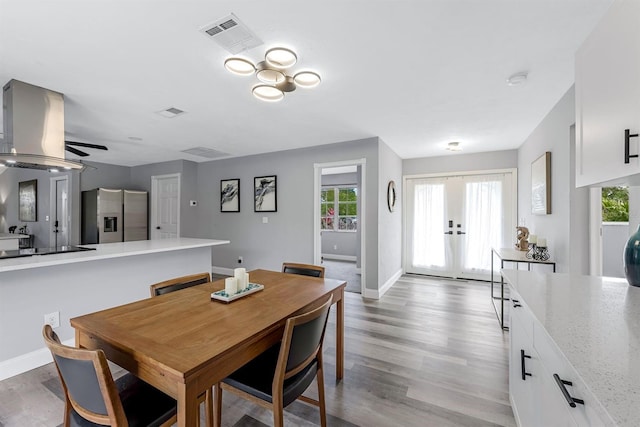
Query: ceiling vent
x,y
206,152
171,112
230,33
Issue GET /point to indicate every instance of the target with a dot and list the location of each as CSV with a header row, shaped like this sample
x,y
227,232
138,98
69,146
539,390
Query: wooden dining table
x,y
184,342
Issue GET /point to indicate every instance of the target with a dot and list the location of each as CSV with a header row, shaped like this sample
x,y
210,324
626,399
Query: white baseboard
x,y
378,293
222,270
340,257
26,362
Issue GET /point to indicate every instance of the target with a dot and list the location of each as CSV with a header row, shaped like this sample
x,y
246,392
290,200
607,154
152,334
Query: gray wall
x,y
9,203
389,223
554,134
461,162
141,180
288,236
106,176
340,242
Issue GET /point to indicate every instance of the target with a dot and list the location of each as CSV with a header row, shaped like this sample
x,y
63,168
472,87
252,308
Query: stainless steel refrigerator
x,y
112,215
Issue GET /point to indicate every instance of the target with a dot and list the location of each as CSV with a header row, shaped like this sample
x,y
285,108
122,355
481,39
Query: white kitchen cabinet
x,y
535,398
608,96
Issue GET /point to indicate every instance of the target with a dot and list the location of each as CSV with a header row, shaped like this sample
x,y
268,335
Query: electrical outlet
x,y
240,259
265,220
52,319
335,247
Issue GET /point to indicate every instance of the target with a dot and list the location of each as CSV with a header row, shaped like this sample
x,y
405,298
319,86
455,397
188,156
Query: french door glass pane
x,y
429,218
484,222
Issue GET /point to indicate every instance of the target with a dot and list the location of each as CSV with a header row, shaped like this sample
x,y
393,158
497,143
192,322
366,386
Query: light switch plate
x,y
265,219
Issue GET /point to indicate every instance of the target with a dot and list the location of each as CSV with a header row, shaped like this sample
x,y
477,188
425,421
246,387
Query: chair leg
x,y
320,381
217,399
208,409
278,415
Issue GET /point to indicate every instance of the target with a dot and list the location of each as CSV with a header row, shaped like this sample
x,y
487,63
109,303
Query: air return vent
x,y
206,152
230,33
171,112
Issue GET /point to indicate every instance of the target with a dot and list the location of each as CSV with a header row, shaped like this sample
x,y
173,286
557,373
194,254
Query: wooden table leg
x,y
340,337
188,407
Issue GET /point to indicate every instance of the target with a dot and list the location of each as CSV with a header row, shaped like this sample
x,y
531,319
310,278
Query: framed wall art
x,y
265,194
28,200
230,195
541,185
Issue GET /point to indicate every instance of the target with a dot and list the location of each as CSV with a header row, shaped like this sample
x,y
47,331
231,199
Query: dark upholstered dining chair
x,y
303,269
279,376
92,396
177,284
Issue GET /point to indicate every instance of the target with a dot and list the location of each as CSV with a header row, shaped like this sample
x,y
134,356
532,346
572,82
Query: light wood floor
x,y
429,353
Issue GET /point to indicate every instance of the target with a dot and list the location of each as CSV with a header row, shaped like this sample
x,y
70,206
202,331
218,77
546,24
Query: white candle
x,y
230,286
239,274
246,280
542,242
533,238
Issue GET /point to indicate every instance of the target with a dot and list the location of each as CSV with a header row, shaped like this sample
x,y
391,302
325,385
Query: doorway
x,y
339,221
165,206
453,221
59,211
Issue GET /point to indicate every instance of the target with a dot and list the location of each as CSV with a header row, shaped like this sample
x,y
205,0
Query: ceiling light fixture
x,y
272,73
454,146
517,79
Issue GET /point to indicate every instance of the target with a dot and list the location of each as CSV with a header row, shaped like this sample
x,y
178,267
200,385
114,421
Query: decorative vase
x,y
632,259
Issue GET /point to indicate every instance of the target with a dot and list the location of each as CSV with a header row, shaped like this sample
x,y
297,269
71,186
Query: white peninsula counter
x,y
82,282
585,329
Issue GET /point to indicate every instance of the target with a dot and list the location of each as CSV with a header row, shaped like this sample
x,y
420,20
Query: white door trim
x,y
317,185
595,231
154,202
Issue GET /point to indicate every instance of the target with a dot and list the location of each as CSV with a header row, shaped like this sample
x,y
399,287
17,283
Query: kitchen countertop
x,y
5,236
595,322
108,250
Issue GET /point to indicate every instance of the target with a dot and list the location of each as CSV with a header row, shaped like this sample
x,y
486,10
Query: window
x,y
339,208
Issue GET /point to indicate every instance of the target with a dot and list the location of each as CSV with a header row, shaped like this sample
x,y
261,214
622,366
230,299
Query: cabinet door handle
x,y
448,232
525,374
461,232
627,137
562,383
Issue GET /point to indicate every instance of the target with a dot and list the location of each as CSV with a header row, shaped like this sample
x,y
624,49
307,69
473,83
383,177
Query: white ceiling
x,y
418,74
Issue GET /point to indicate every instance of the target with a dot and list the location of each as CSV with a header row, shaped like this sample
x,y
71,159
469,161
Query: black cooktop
x,y
19,253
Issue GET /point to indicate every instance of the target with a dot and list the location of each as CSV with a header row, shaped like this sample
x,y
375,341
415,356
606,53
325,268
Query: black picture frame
x,y
230,195
265,193
28,201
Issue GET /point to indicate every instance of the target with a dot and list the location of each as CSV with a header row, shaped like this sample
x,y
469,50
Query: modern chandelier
x,y
273,73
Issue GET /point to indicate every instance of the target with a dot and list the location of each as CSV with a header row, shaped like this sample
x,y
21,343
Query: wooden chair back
x,y
87,382
303,269
179,283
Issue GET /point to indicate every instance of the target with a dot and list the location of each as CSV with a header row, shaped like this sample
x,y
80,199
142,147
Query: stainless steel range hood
x,y
34,128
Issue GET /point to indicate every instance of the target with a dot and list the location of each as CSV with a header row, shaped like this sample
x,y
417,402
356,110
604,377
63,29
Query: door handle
x,y
461,232
448,232
158,228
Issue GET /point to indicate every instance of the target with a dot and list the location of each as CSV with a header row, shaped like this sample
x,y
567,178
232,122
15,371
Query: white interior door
x,y
59,211
165,202
453,221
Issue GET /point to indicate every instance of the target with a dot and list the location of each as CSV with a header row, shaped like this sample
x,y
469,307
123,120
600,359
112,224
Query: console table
x,y
516,257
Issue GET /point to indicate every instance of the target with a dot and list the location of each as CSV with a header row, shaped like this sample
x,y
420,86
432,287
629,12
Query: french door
x,y
453,221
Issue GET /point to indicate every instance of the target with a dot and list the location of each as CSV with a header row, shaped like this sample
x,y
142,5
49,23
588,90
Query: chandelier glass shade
x,y
273,74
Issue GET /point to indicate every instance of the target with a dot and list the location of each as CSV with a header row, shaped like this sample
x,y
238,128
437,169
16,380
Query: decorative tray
x,y
223,296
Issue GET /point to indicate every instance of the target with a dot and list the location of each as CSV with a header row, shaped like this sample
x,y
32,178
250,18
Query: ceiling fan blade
x,y
84,144
76,152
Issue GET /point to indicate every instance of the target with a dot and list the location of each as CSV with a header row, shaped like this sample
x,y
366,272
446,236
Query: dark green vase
x,y
632,259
